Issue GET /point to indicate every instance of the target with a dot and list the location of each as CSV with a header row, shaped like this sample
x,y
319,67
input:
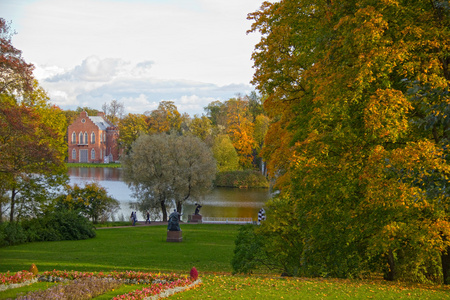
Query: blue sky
x,y
141,52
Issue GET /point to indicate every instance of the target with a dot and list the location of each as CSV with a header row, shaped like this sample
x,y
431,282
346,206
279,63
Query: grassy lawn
x,y
207,247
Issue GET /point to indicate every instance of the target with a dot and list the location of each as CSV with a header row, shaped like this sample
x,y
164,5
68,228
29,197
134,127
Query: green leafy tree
x,y
216,113
225,154
92,200
201,127
163,168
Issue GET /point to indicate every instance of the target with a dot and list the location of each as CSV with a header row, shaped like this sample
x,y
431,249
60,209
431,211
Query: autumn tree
x,y
240,129
88,110
165,118
92,201
32,141
163,169
131,127
31,130
200,127
357,93
16,76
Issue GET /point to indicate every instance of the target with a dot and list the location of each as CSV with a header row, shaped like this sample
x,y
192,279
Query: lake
x,y
218,203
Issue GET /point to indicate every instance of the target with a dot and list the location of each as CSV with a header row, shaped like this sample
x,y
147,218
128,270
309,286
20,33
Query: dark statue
x,y
197,209
174,218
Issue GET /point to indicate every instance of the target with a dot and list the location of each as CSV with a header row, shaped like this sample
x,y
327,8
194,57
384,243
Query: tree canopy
x,y
166,170
32,132
357,93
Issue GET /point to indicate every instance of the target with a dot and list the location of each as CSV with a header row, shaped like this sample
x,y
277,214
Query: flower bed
x,y
19,277
79,289
153,283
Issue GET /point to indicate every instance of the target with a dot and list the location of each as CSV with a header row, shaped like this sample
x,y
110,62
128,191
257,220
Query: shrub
x,y
13,234
241,179
33,269
248,253
194,274
54,226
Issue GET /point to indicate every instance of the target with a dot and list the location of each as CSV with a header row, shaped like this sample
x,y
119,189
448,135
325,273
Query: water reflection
x,y
220,202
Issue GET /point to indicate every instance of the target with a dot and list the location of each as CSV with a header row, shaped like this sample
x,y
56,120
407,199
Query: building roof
x,y
100,122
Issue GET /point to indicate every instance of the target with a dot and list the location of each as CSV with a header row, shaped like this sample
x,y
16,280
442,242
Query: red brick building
x,y
92,140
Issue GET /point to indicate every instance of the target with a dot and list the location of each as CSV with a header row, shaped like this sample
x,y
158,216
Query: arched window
x,y
93,153
92,138
86,141
74,138
74,154
80,137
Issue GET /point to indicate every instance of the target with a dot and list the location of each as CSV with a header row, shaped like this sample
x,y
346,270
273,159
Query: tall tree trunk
x,y
179,206
390,274
13,202
163,207
445,260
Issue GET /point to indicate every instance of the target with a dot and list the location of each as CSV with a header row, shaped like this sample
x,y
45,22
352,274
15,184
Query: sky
x,y
138,52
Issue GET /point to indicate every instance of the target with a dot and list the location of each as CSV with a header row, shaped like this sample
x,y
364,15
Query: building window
x,y
80,142
92,138
74,138
74,154
86,141
93,154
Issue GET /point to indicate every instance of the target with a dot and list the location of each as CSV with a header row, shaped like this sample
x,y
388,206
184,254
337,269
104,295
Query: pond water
x,y
218,203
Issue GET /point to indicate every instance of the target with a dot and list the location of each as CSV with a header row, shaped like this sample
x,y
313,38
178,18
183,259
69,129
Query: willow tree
x,y
358,96
163,169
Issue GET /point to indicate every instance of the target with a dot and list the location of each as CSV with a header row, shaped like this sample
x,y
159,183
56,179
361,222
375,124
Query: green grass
x,y
13,293
260,287
207,247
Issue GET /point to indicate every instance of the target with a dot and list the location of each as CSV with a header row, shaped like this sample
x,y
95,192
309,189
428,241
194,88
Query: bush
x,y
248,253
13,234
55,226
241,179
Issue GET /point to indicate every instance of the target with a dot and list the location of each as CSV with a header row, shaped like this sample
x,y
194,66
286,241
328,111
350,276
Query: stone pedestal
x,y
195,218
174,236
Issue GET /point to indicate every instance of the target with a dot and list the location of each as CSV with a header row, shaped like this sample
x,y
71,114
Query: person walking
x,y
148,218
134,219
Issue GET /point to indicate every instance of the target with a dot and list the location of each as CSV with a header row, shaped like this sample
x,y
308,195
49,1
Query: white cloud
x,y
93,51
97,81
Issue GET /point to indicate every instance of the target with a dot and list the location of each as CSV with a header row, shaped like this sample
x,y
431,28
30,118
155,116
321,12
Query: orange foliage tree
x,y
357,92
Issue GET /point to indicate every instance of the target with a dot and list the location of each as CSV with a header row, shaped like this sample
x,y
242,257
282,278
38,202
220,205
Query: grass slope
x,y
207,247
